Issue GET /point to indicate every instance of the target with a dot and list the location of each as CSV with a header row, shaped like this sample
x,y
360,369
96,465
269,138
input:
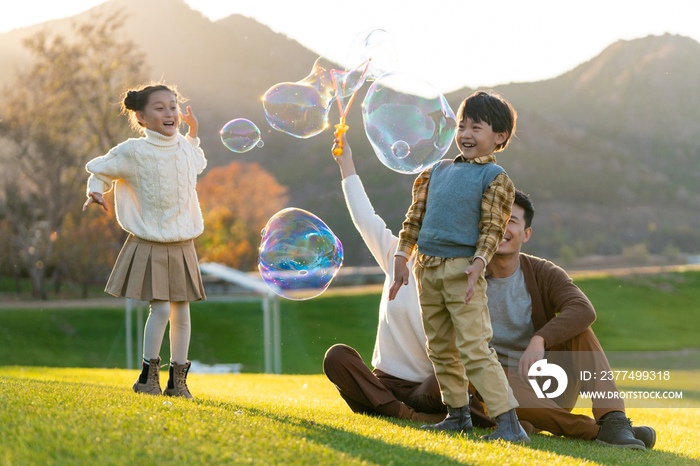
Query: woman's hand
x,y
96,197
191,121
347,166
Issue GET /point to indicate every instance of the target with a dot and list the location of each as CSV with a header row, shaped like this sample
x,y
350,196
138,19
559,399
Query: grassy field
x,y
640,313
64,415
91,416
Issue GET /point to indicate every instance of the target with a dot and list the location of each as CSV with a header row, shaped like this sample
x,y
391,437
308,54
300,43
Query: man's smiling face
x,y
516,234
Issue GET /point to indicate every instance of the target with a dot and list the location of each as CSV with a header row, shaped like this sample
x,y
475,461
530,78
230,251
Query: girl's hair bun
x,y
131,100
135,100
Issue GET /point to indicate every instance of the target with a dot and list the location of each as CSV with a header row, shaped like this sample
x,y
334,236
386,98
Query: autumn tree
x,y
88,245
237,201
59,114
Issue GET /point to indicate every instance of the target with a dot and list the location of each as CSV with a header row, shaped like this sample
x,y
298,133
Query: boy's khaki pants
x,y
458,336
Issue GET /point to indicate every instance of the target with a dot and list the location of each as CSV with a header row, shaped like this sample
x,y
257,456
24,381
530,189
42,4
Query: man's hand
x,y
533,353
95,197
473,272
401,274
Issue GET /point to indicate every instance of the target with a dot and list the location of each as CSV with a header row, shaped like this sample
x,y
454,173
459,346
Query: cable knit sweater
x,y
400,348
155,178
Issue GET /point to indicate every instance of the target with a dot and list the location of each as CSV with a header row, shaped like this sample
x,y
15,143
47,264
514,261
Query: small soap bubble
x,y
240,135
401,149
299,255
408,122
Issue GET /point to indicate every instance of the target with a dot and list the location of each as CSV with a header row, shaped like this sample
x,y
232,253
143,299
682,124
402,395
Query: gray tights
x,y
179,315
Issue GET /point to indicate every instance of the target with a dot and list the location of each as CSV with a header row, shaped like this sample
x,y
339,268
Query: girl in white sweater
x,y
154,179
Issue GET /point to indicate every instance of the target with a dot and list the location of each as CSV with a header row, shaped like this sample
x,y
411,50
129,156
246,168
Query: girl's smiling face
x,y
161,114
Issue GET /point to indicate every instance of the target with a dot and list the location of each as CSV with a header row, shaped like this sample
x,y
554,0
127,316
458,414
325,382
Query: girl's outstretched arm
x,y
191,121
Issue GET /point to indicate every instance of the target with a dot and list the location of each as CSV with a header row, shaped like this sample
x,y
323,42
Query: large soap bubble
x,y
240,135
408,121
299,255
301,108
377,48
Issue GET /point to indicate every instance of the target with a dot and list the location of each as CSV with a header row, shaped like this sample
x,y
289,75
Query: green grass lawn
x,y
643,313
91,416
221,333
646,312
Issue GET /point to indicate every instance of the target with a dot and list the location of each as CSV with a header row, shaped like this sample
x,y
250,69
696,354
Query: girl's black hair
x,y
135,100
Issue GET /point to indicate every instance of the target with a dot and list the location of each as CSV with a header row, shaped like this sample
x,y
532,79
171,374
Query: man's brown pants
x,y
556,417
372,392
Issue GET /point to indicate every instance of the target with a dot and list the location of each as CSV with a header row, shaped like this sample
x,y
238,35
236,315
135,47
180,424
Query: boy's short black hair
x,y
492,108
524,201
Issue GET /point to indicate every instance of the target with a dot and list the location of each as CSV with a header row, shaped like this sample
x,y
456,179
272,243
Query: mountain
x,y
607,150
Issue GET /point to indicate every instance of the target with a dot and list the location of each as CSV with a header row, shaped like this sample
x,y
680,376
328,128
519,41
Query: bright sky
x,y
450,43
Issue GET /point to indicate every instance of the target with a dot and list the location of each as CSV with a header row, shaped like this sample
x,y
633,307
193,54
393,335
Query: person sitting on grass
x,y
537,310
402,384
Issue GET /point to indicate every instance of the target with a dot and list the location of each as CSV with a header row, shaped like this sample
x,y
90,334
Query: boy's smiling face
x,y
477,139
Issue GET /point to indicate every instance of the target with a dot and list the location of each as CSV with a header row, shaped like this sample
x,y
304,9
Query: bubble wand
x,y
341,127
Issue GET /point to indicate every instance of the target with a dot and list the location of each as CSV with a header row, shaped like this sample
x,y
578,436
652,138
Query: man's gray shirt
x,y
510,307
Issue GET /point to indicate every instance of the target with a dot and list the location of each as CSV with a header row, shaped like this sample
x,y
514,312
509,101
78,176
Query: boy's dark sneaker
x,y
616,431
645,434
508,428
457,420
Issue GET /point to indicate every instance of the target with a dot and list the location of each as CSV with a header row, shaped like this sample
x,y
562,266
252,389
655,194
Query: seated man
x,y
403,383
535,306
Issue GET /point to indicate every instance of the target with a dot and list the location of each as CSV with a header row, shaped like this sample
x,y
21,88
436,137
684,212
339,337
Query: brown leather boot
x,y
410,414
616,431
177,383
152,384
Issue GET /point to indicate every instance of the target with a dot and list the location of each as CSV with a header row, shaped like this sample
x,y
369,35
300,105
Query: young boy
x,y
457,219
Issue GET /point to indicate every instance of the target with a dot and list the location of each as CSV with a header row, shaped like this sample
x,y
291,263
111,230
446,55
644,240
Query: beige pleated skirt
x,y
164,271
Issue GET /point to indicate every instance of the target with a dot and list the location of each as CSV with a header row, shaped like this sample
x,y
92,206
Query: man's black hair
x,y
524,201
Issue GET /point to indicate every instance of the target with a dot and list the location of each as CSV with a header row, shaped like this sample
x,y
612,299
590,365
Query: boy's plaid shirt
x,y
496,204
